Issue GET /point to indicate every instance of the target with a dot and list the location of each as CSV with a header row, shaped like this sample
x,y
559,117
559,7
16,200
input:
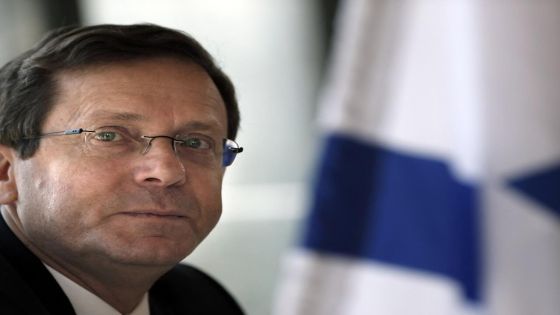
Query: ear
x,y
8,188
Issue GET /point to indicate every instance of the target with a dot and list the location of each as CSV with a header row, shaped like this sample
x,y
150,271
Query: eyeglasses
x,y
114,141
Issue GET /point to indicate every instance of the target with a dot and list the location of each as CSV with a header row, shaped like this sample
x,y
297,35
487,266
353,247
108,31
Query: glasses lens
x,y
110,141
231,148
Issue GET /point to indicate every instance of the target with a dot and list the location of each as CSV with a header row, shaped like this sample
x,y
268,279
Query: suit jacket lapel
x,y
159,305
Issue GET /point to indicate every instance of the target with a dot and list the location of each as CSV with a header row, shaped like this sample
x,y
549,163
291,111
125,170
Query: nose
x,y
159,165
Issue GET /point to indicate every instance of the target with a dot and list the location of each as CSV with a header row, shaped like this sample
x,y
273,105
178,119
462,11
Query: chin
x,y
152,252
149,259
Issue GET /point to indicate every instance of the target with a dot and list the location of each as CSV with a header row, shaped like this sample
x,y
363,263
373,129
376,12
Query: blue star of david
x,y
542,187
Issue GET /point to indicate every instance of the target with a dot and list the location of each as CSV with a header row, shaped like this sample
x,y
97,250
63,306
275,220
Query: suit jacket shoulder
x,y
26,286
187,290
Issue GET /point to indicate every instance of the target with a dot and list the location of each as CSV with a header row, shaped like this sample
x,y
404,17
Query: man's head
x,y
28,83
113,194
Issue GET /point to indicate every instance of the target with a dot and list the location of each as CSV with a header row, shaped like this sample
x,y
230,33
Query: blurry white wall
x,y
21,24
272,51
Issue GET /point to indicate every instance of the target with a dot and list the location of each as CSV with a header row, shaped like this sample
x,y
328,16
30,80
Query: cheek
x,y
42,194
61,191
208,192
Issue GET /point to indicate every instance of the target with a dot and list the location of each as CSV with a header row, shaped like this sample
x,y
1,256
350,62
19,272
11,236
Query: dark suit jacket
x,y
27,287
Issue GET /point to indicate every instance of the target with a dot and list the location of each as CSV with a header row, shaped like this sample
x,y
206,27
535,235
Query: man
x,y
113,146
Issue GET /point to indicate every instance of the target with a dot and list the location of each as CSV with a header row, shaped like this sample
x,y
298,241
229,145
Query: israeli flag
x,y
438,190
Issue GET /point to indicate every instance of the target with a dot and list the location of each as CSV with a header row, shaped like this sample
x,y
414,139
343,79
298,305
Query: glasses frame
x,y
231,148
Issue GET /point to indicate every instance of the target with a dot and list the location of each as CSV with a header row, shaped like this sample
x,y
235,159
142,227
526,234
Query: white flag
x,y
438,191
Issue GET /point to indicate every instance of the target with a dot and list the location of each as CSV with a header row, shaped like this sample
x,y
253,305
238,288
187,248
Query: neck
x,y
123,292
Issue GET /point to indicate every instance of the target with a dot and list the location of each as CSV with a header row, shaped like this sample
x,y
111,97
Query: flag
x,y
438,188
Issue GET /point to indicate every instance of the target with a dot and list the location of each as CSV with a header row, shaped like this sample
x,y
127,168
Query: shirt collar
x,y
87,303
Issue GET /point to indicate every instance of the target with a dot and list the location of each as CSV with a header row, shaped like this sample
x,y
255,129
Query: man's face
x,y
75,204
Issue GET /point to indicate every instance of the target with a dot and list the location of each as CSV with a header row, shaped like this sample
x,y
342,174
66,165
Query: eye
x,y
111,134
107,136
196,142
111,141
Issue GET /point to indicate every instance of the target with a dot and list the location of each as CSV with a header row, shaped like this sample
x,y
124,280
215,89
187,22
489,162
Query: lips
x,y
155,214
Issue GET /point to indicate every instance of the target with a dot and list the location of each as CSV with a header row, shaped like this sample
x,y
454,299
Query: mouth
x,y
154,214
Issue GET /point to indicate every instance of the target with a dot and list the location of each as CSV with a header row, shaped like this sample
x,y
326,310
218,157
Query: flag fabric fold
x,y
437,187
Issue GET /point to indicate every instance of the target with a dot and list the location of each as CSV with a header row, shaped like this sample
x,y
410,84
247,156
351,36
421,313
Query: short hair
x,y
28,86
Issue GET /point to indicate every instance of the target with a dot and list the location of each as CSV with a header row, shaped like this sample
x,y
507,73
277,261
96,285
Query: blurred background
x,y
401,156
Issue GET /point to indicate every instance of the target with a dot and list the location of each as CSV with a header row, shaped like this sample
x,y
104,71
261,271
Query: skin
x,y
115,225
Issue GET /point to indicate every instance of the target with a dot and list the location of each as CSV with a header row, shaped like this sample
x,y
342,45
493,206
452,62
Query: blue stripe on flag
x,y
542,187
373,203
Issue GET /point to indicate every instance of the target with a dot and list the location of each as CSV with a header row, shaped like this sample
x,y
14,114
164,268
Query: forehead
x,y
166,90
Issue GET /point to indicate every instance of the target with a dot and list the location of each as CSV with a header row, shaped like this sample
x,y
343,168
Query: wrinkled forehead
x,y
175,91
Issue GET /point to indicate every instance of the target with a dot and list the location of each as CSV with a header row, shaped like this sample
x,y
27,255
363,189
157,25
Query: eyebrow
x,y
200,125
121,116
134,117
